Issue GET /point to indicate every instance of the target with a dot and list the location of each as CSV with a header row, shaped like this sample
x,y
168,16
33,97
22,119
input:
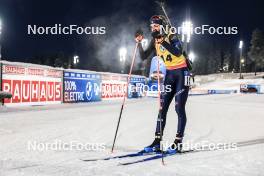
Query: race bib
x,y
187,78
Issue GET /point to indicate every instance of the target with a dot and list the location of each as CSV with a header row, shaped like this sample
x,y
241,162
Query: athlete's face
x,y
155,27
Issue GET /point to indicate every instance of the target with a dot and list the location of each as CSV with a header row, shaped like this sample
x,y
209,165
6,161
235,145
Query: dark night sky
x,y
17,14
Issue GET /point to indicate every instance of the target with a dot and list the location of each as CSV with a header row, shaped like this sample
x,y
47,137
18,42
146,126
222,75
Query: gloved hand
x,y
139,35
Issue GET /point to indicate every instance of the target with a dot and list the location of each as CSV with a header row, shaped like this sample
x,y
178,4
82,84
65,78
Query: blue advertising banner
x,y
81,87
153,85
221,91
250,88
136,87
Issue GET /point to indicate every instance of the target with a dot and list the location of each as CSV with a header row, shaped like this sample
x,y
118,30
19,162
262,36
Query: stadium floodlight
x,y
122,57
0,26
0,36
144,43
240,44
192,56
75,59
241,60
122,54
187,30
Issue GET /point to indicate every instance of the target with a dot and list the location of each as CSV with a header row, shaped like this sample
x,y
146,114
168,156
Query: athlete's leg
x,y
181,96
166,98
180,101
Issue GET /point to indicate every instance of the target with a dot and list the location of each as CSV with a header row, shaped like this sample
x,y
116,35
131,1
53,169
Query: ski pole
x,y
164,11
160,108
124,99
161,4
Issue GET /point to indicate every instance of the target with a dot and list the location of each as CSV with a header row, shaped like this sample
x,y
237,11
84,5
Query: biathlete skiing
x,y
168,48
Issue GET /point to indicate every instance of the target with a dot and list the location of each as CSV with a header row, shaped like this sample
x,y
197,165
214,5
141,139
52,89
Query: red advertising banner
x,y
113,86
32,86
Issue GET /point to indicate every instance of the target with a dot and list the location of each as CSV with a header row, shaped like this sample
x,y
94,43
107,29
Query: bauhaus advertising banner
x,y
32,85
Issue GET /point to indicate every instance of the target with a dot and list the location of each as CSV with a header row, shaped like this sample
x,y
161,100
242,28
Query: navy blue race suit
x,y
175,78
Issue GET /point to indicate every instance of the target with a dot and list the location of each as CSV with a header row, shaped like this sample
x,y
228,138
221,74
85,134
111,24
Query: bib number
x,y
168,58
187,78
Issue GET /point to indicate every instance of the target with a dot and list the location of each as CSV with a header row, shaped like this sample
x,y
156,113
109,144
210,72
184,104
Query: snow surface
x,y
215,118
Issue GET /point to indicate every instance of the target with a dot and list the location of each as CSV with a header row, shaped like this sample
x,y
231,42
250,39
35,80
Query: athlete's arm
x,y
144,54
175,45
150,49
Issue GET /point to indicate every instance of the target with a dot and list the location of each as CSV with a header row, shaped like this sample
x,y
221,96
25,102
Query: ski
x,y
141,153
157,156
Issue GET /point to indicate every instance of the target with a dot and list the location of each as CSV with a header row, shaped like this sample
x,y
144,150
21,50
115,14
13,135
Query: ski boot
x,y
154,147
176,147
